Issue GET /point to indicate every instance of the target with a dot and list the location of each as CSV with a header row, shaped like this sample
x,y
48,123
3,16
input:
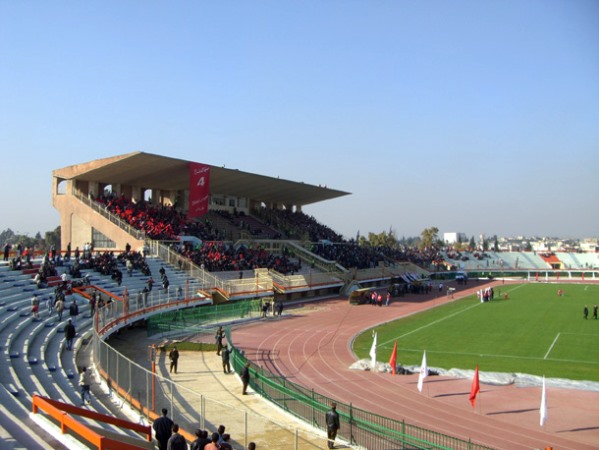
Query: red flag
x,y
393,360
475,387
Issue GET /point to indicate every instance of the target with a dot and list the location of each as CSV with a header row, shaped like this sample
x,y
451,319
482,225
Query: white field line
x,y
436,321
552,344
429,324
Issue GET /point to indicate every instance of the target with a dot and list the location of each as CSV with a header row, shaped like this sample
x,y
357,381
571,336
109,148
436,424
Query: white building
x,y
452,238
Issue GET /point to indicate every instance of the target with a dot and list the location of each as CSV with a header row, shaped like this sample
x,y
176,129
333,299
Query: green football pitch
x,y
534,331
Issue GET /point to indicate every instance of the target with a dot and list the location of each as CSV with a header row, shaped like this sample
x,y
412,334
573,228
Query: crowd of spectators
x,y
297,225
222,256
351,255
157,221
250,224
166,223
47,269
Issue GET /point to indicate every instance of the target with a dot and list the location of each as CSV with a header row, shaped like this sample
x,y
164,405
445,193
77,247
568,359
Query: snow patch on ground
x,y
491,378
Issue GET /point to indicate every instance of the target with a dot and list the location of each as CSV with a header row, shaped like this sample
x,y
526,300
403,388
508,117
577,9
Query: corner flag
x,y
373,352
475,389
543,408
393,360
423,372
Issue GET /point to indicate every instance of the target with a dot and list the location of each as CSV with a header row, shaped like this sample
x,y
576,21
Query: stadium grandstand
x,y
145,237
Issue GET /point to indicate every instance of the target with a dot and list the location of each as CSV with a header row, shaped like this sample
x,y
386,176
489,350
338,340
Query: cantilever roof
x,y
162,172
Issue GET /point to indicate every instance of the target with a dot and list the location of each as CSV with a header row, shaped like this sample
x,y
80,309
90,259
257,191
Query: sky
x,y
479,117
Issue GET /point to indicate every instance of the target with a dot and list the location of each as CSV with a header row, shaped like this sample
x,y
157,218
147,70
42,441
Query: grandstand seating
x,y
36,359
588,260
472,261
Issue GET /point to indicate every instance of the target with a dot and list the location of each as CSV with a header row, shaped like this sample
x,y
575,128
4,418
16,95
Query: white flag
x,y
543,409
373,352
423,372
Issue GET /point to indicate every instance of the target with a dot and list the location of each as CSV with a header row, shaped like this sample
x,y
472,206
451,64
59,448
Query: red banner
x,y
199,189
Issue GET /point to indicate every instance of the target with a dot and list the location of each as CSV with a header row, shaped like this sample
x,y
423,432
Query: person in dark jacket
x,y
226,356
176,441
245,377
73,311
174,357
220,334
201,441
332,420
69,334
163,428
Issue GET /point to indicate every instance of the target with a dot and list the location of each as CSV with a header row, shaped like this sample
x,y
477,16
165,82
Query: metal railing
x,y
167,323
287,283
147,392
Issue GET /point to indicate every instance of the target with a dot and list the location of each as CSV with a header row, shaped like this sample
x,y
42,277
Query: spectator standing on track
x,y
332,420
219,339
265,308
245,378
279,307
225,355
163,427
69,334
174,357
176,441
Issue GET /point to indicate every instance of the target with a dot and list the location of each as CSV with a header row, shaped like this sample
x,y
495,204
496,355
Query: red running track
x,y
312,347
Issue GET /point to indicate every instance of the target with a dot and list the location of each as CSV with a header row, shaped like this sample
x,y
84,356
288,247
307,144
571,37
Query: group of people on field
x,y
585,311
